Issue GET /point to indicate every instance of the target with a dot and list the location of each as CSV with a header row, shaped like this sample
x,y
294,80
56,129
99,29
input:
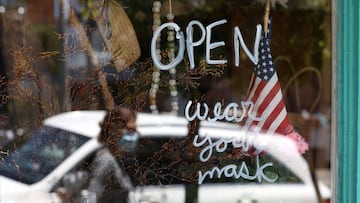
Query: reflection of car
x,y
38,164
56,160
279,175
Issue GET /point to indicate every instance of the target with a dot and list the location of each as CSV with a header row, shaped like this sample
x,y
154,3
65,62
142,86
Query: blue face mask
x,y
129,141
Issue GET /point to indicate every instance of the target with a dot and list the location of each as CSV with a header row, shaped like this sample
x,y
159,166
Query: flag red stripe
x,y
259,89
283,125
269,98
274,114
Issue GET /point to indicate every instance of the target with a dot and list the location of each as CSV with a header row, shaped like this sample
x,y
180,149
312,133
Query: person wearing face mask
x,y
118,134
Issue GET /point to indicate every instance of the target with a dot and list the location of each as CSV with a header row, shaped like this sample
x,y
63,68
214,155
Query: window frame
x,y
345,101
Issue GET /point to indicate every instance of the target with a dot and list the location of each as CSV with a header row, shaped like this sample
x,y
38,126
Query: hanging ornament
x,y
170,51
172,72
117,32
156,71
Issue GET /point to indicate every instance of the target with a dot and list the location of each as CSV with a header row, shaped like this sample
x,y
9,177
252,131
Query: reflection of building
x,y
41,12
12,35
28,31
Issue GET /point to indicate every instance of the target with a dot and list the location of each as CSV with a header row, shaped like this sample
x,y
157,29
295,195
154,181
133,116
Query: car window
x,y
163,161
30,159
75,182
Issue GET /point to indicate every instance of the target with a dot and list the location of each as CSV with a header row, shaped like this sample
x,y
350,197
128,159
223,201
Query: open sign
x,y
189,43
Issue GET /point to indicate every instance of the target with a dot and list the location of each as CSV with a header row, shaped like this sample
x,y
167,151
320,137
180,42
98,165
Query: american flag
x,y
265,93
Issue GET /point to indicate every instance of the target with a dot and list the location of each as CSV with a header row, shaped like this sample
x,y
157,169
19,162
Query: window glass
x,y
31,159
145,169
213,84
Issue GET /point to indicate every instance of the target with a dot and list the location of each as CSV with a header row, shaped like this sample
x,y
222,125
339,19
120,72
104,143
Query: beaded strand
x,y
156,71
172,71
171,56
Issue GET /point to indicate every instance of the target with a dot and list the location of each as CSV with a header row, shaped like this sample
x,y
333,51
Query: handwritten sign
x,y
205,33
239,170
233,170
230,113
244,143
233,112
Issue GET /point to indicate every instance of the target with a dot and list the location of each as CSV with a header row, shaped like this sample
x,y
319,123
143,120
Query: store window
x,y
231,100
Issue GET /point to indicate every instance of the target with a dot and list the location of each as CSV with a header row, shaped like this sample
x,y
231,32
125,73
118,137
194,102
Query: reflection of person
x,y
109,182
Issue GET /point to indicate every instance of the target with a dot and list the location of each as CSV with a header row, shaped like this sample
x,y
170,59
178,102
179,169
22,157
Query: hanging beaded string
x,y
156,71
171,56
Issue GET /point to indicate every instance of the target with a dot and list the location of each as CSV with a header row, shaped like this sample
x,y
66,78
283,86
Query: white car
x,y
166,165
